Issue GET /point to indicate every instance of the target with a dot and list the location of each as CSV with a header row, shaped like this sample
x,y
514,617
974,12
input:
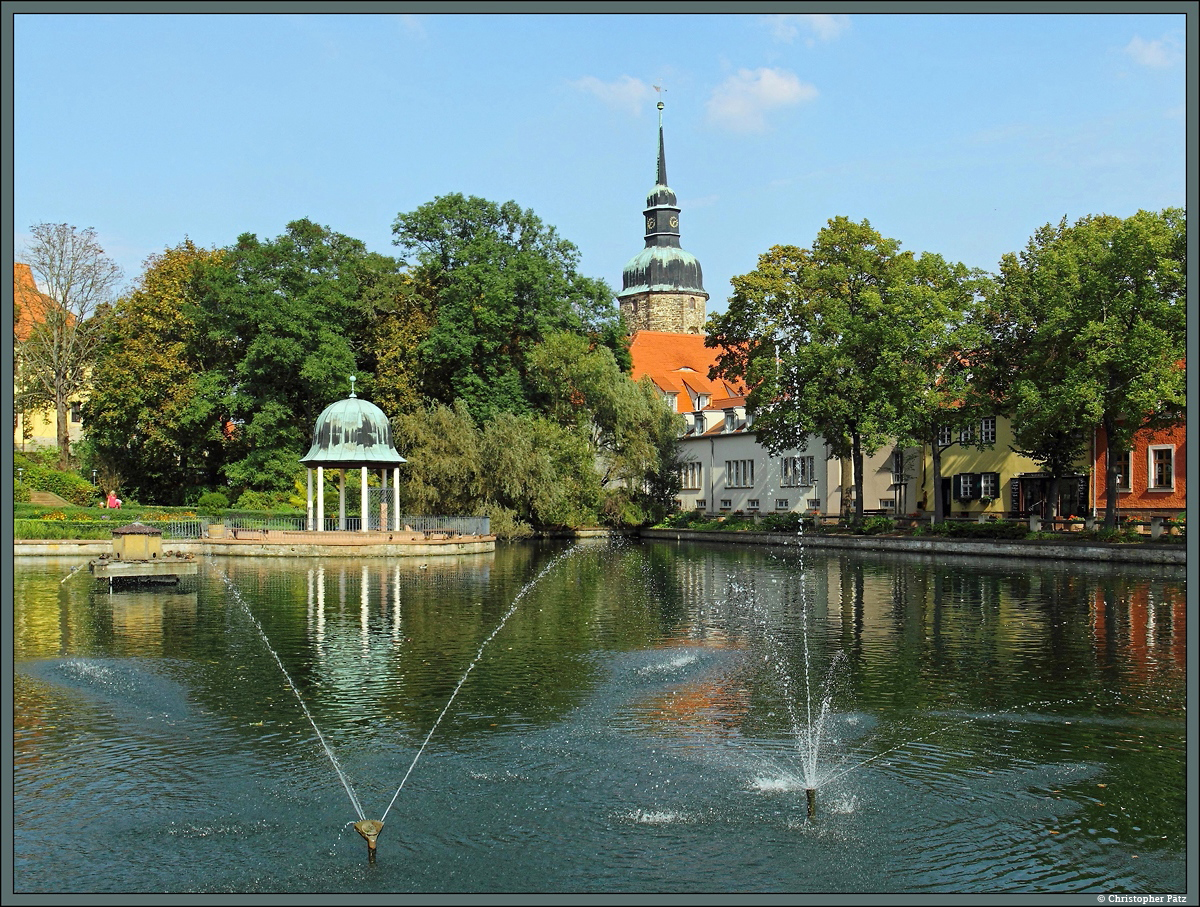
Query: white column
x,y
396,497
320,499
342,502
309,523
366,521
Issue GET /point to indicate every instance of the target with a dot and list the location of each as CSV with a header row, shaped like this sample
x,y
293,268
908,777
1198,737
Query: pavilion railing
x,y
456,525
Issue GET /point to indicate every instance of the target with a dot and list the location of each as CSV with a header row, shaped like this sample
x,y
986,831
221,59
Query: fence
x,y
456,525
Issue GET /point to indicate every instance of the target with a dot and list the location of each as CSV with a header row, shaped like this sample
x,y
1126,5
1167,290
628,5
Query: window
x,y
887,504
76,411
989,484
898,467
726,503
1162,468
969,486
967,435
944,437
702,504
691,475
752,504
797,471
814,503
1124,470
782,504
966,486
987,430
739,473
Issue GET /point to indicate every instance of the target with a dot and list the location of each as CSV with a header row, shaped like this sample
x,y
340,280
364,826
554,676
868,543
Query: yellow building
x,y
37,428
994,480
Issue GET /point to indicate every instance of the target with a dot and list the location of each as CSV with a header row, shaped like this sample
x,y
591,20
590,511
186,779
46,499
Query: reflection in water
x,y
1006,726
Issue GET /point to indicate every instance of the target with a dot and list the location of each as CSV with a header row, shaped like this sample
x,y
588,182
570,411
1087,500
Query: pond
x,y
603,717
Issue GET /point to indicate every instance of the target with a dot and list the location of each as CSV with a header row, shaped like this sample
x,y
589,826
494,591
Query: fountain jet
x,y
811,793
369,829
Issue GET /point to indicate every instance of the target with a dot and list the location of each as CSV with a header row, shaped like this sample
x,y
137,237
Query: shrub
x,y
786,522
877,524
69,486
260,500
1000,529
211,503
20,493
504,523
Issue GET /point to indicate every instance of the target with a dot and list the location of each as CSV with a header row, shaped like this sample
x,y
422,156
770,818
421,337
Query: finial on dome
x,y
351,385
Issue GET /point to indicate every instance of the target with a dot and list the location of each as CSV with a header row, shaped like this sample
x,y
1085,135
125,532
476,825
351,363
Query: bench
x,y
440,534
249,533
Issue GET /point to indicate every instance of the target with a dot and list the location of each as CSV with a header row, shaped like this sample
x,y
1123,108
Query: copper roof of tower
x,y
352,432
662,265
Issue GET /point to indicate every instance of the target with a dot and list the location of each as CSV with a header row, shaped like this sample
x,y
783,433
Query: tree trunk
x,y
857,454
1111,468
847,482
64,434
936,456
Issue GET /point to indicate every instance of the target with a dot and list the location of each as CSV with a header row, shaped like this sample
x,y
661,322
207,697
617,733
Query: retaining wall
x,y
1137,553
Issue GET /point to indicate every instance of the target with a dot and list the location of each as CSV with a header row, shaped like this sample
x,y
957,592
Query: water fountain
x,y
612,726
370,829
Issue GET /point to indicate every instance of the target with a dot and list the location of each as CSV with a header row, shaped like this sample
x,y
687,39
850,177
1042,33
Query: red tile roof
x,y
30,304
678,364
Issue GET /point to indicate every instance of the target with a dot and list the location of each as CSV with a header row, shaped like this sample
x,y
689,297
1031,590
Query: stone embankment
x,y
282,545
1049,549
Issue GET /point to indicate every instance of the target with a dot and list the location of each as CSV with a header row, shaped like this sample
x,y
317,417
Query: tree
x,y
1087,326
147,420
944,407
632,431
498,281
833,341
282,327
76,277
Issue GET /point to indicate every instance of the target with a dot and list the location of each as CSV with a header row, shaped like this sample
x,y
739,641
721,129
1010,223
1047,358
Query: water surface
x,y
641,722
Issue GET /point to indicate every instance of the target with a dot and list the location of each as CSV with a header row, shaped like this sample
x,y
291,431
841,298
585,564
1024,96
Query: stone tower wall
x,y
674,313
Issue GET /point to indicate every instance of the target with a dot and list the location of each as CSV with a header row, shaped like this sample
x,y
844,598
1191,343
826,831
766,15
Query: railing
x,y
181,529
448,525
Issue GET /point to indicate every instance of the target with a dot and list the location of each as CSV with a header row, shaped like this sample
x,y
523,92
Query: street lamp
x,y
93,477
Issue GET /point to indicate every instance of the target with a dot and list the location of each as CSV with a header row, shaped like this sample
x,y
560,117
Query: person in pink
x,y
113,501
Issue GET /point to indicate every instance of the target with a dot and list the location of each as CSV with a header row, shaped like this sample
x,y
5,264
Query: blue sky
x,y
956,134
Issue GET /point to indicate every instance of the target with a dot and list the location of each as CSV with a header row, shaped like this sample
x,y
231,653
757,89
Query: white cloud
x,y
823,26
412,25
741,102
1160,54
626,93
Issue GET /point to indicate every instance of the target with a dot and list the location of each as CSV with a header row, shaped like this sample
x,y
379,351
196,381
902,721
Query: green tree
x,y
283,325
444,471
54,360
943,406
150,428
833,341
498,281
632,431
1087,326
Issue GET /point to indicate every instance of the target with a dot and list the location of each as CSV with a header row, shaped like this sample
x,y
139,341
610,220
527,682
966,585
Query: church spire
x,y
662,286
662,153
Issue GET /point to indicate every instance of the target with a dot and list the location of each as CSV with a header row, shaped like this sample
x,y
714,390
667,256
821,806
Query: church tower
x,y
663,289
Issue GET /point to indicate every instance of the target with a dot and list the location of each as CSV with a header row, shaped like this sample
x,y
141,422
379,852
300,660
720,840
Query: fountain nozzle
x,y
369,829
811,793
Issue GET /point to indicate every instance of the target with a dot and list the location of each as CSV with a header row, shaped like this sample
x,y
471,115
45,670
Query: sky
x,y
951,133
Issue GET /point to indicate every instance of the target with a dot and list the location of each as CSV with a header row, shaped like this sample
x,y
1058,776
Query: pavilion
x,y
353,433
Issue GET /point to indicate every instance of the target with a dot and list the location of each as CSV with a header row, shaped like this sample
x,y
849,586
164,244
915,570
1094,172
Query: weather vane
x,y
351,385
660,90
